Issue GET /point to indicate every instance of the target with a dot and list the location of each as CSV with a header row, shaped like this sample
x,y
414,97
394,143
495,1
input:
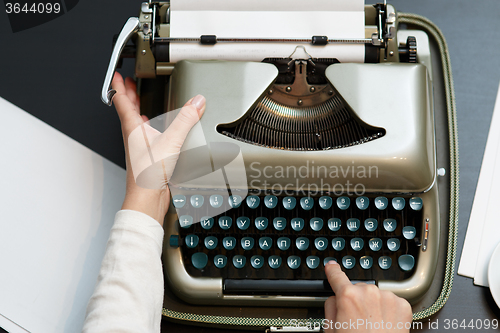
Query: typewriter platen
x,y
297,161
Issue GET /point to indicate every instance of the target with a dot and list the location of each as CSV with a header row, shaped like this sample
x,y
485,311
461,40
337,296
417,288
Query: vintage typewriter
x,y
298,160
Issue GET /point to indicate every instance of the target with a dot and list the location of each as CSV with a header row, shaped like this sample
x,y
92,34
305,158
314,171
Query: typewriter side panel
x,y
414,288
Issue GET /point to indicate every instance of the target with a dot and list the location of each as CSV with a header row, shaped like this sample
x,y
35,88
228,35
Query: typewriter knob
x,y
408,53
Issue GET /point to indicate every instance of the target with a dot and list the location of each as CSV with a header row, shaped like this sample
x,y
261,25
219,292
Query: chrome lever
x,y
128,29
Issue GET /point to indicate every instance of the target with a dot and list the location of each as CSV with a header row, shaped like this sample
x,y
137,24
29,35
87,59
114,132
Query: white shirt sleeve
x,y
128,296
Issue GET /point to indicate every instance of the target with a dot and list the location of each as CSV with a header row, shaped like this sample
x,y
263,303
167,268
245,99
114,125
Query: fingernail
x,y
332,262
198,102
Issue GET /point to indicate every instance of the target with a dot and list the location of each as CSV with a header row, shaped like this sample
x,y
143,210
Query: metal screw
x,y
288,89
146,17
330,92
143,52
270,92
391,53
312,89
299,102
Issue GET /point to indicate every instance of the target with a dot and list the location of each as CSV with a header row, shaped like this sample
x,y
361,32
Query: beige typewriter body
x,y
390,95
405,156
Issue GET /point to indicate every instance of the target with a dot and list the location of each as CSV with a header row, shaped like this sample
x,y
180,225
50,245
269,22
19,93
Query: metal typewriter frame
x,y
210,290
389,52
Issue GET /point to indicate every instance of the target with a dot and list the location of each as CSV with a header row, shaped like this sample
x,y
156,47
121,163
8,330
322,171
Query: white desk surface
x,y
58,201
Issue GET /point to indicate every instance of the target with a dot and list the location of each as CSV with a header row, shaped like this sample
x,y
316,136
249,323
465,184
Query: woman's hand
x,y
365,305
150,155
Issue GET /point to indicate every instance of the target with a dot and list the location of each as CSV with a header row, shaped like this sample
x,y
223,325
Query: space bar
x,y
280,287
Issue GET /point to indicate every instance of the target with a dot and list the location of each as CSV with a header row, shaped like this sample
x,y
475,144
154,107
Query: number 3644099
x,y
32,8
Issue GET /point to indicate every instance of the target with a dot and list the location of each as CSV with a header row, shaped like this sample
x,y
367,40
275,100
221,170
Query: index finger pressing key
x,y
336,277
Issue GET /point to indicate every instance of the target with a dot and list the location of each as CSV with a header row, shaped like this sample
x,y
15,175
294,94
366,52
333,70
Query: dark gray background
x,y
55,72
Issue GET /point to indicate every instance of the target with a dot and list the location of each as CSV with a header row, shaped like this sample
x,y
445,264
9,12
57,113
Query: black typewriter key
x,y
334,224
197,201
191,241
375,244
235,201
229,243
307,203
371,224
199,260
416,203
283,243
216,200
207,222
293,262
253,201
179,201
220,261
357,244
343,202
297,224
289,203
338,243
316,223
390,225
247,243
328,259
385,262
348,262
325,202
366,262
225,222
243,222
257,261
261,223
185,221
406,262
239,261
274,262
270,201
362,203
312,262
174,241
393,244
279,223
398,203
353,224
211,242
302,243
265,243
409,232
321,243
381,203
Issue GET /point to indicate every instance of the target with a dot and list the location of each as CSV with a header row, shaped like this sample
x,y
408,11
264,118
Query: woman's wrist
x,y
151,202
